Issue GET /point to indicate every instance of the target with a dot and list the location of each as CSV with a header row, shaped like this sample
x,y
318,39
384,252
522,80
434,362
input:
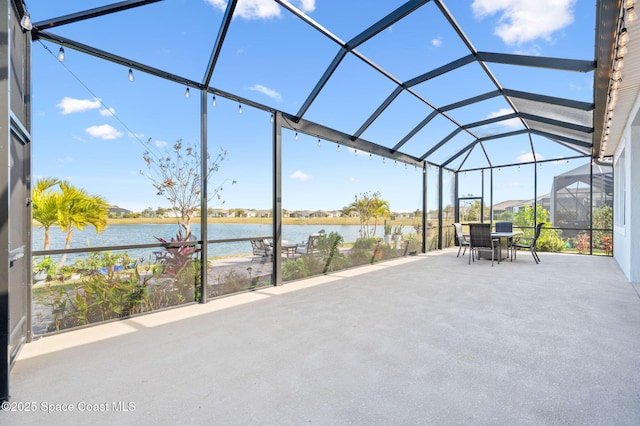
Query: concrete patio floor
x,y
419,340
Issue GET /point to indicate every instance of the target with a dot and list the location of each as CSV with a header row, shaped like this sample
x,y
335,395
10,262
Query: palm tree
x,y
45,205
78,209
381,208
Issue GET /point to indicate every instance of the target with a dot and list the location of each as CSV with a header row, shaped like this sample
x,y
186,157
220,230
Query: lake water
x,y
117,235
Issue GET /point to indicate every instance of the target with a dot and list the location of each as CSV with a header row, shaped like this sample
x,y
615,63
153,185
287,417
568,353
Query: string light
x,y
131,78
186,93
239,108
318,142
61,55
338,148
213,101
25,22
296,136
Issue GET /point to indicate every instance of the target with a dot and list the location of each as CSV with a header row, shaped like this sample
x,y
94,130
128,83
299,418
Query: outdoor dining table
x,y
504,236
286,248
289,249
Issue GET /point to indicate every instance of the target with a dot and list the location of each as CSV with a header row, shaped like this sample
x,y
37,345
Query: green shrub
x,y
365,243
294,269
550,240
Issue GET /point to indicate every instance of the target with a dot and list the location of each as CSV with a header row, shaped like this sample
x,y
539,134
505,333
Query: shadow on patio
x,y
418,340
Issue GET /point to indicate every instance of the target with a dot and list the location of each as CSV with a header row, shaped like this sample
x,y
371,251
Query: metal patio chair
x,y
262,249
528,243
462,239
482,241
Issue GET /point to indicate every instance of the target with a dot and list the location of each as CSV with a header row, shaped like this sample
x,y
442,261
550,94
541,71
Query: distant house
x,y
115,211
300,213
509,206
217,213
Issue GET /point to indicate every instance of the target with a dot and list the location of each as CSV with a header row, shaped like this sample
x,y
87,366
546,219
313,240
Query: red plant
x,y
176,256
607,244
583,243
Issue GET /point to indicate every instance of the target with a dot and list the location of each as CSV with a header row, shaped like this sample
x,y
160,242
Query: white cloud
x,y
107,112
308,5
437,42
261,9
161,144
136,135
529,158
354,180
299,175
266,91
512,123
105,132
530,51
71,105
526,20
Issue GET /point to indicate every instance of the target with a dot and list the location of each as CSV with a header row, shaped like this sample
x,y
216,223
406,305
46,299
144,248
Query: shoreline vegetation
x,y
255,220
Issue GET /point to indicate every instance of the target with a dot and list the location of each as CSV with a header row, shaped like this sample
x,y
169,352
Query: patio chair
x,y
528,243
262,249
310,246
462,239
482,241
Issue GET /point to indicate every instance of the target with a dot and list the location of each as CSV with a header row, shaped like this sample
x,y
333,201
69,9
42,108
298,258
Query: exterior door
x,y
15,188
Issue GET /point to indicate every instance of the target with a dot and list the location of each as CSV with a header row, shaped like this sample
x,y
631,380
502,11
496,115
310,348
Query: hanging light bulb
x,y
370,156
395,163
61,54
186,93
272,118
318,142
406,166
25,22
338,148
355,152
384,160
624,37
239,108
631,12
296,136
213,101
131,78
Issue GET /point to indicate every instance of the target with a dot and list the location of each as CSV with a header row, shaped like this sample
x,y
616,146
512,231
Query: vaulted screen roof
x,y
378,81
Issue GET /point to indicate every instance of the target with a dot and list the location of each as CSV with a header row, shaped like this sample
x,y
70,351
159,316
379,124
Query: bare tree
x,y
176,176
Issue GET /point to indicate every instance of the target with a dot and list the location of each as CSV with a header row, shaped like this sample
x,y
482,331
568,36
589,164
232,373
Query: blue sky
x,y
90,121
